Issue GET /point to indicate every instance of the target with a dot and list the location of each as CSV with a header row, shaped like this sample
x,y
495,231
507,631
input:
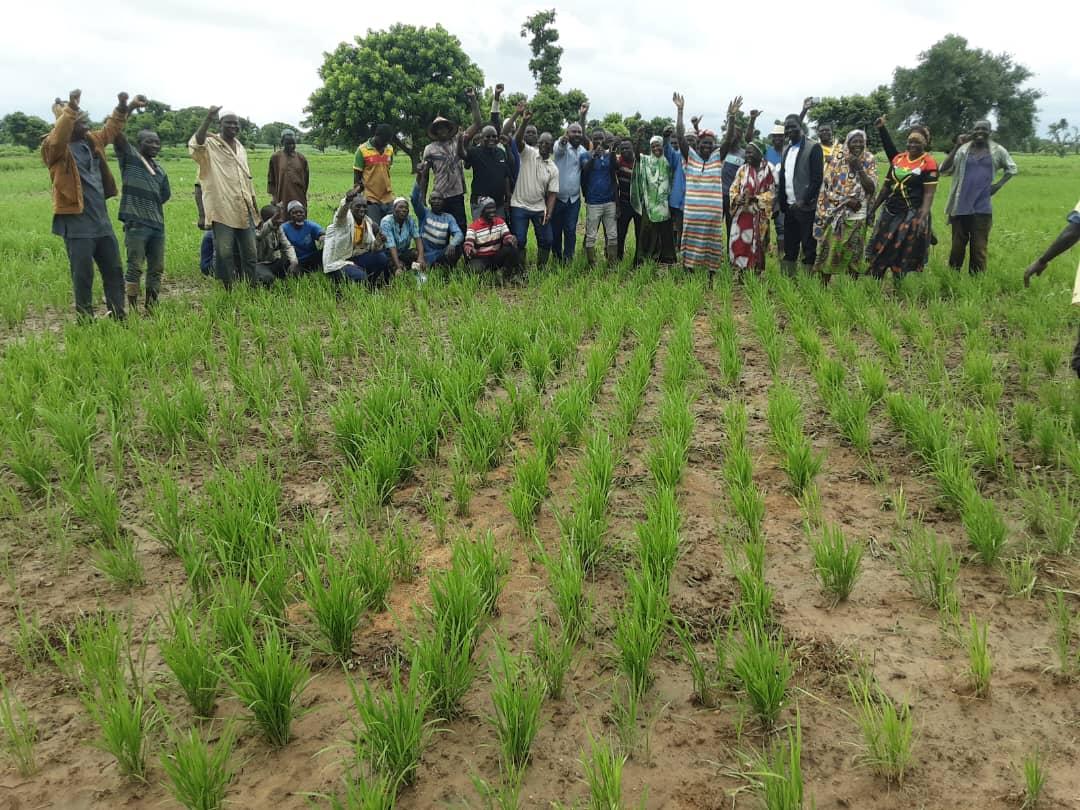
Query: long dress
x,y
898,246
649,195
703,243
750,219
839,230
288,177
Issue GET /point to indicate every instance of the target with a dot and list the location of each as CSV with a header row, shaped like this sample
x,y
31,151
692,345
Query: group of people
x,y
690,196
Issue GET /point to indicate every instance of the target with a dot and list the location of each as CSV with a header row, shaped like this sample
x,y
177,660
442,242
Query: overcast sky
x,y
261,58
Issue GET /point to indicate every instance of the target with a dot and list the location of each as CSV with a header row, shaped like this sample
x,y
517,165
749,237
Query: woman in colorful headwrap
x,y
650,192
902,240
751,200
703,211
840,226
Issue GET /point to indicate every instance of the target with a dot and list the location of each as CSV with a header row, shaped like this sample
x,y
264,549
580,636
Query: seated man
x,y
353,246
274,255
439,231
402,236
489,245
305,236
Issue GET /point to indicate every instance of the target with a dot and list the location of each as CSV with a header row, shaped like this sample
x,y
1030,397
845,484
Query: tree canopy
x,y
405,77
546,55
23,130
953,86
846,113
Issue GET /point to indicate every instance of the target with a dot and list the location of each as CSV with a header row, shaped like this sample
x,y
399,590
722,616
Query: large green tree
x,y
23,130
404,77
955,85
846,113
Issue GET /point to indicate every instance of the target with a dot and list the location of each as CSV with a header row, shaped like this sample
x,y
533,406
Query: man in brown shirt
x,y
288,177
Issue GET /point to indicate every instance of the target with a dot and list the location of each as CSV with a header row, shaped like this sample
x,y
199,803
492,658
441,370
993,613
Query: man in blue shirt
x,y
600,185
402,238
439,231
568,154
305,236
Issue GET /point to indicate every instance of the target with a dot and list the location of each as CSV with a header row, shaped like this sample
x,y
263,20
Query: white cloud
x,y
262,59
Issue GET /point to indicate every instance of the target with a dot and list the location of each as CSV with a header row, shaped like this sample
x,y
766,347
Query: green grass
x,y
836,561
269,682
199,774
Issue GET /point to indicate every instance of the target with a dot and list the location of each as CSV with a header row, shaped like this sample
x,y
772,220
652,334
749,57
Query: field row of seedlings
x,y
969,471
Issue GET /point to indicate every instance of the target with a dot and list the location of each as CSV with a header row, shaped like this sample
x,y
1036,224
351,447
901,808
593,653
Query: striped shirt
x,y
436,230
143,192
486,237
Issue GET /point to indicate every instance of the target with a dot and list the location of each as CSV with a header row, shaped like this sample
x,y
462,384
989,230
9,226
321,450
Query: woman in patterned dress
x,y
902,239
751,197
840,227
703,245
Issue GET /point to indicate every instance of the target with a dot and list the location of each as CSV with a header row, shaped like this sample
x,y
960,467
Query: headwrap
x,y
778,129
655,140
399,200
294,205
923,131
226,114
852,134
484,202
917,134
759,145
706,133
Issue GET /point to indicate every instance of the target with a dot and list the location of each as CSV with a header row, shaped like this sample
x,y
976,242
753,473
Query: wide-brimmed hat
x,y
439,121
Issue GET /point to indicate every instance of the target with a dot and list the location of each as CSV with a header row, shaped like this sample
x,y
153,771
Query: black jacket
x,y
809,171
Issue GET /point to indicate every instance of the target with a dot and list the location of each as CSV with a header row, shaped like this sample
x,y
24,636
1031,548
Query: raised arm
x,y
949,163
477,123
496,101
680,128
511,122
751,126
519,136
730,125
583,114
55,145
417,199
204,127
1065,241
885,137
807,103
114,124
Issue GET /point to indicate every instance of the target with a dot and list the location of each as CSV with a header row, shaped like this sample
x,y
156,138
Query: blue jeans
x,y
564,228
519,227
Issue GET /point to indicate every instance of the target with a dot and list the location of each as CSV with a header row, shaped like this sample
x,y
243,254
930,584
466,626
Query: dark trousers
x,y
1076,357
145,247
508,259
973,230
657,242
455,206
564,220
228,244
312,263
372,268
626,216
799,235
83,254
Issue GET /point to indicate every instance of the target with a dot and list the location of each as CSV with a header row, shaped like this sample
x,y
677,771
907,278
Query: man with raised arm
x,y
228,194
570,151
534,193
1068,237
81,182
144,191
489,162
444,155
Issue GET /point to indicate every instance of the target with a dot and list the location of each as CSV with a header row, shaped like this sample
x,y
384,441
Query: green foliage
x,y
856,111
404,76
199,775
542,35
392,731
23,130
983,83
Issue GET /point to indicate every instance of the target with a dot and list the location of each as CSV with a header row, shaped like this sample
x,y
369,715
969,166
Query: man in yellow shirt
x,y
228,194
1065,240
371,172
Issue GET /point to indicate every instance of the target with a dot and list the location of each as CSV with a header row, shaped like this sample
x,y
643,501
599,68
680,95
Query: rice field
x,y
618,538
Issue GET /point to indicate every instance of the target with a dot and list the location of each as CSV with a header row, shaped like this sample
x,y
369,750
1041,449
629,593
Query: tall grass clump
x,y
335,598
190,652
199,774
485,565
985,529
566,582
269,682
798,460
517,694
836,562
658,537
888,731
777,773
639,629
392,732
979,666
1034,780
603,766
529,489
239,517
554,653
18,732
762,665
928,562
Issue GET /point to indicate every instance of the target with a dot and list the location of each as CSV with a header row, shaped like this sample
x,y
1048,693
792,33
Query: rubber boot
x,y
151,300
542,257
612,255
590,256
132,290
787,268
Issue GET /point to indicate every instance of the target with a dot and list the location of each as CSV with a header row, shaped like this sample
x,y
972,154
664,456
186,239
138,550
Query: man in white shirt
x,y
535,192
802,169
